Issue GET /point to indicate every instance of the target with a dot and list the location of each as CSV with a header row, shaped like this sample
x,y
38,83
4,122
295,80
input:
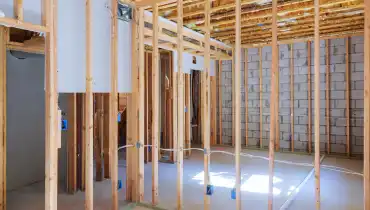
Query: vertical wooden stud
x,y
292,97
260,96
220,100
327,98
367,106
18,9
233,97
155,121
348,82
274,97
277,105
72,143
180,105
317,104
214,109
206,100
113,99
246,93
3,38
309,97
236,90
187,115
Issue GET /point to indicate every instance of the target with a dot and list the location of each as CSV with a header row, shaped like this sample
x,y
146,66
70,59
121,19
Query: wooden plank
x,y
51,106
187,115
72,143
220,100
348,98
3,116
155,122
317,103
236,89
206,103
213,110
274,70
292,97
180,106
309,87
14,23
233,97
327,93
113,128
174,115
260,96
246,93
277,126
18,9
89,116
106,135
141,65
367,106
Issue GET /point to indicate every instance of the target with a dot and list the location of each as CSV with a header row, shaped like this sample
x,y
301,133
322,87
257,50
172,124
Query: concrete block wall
x,y
337,64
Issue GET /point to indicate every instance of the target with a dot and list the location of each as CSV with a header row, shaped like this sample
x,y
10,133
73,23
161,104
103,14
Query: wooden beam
x,y
205,103
113,128
3,116
309,97
277,126
14,23
292,97
274,97
246,89
260,95
72,143
187,115
233,97
327,98
18,9
180,106
317,104
348,98
214,109
367,106
155,122
141,65
236,89
220,100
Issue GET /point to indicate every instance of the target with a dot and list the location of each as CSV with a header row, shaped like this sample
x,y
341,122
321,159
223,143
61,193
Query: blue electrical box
x,y
64,125
119,117
210,189
119,184
233,194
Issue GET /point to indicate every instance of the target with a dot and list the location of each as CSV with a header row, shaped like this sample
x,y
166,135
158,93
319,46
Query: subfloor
x,y
339,191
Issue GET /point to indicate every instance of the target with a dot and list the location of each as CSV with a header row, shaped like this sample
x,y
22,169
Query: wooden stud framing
x,y
309,97
180,106
3,38
113,100
327,98
72,143
141,111
233,97
292,97
348,82
213,110
187,115
89,116
317,104
236,90
220,100
18,9
206,102
260,96
274,97
51,155
277,105
367,107
155,121
246,93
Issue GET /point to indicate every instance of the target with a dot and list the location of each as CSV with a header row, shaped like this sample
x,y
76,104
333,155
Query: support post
x,y
260,95
180,105
187,115
327,98
233,98
113,100
317,104
274,97
3,39
51,106
236,90
155,122
220,100
367,106
309,97
18,9
348,82
72,143
246,94
206,100
292,97
277,98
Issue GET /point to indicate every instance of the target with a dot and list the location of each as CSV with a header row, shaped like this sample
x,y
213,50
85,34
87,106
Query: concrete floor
x,y
338,190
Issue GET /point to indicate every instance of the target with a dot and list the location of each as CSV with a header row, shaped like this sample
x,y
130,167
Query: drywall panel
x,y
193,62
6,6
124,57
71,46
32,11
101,45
